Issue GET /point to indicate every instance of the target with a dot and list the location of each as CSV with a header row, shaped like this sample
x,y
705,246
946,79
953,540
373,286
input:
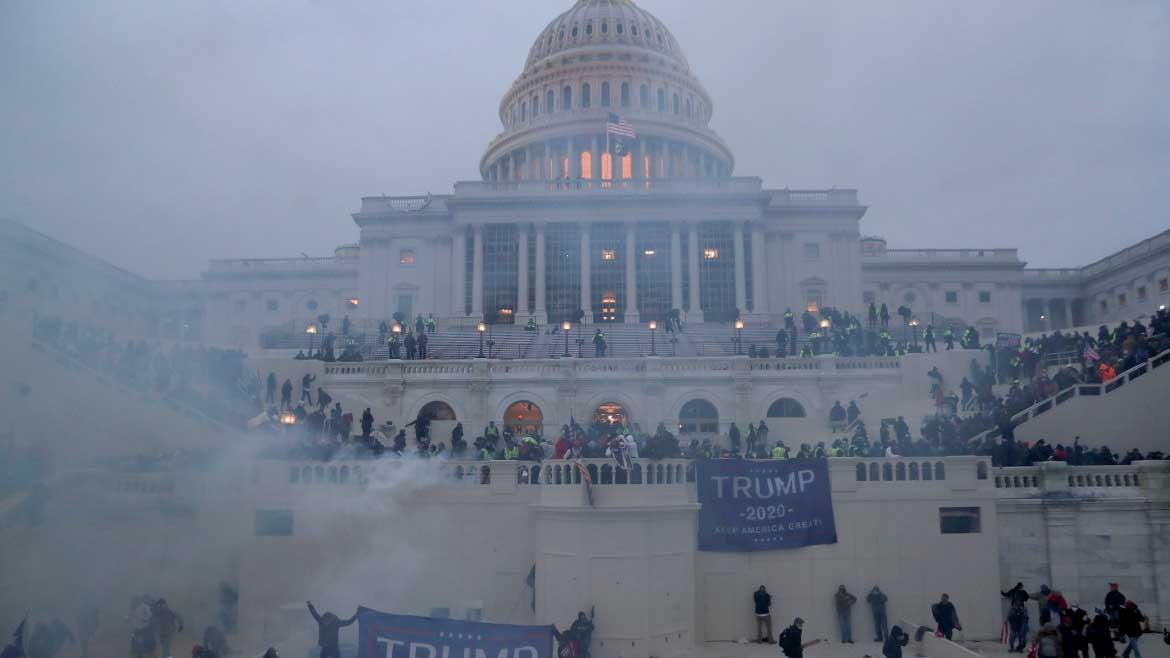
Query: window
x,y
273,305
661,100
406,257
869,297
812,250
958,520
710,253
566,99
605,94
625,93
273,523
549,101
952,297
644,96
634,30
621,28
535,106
574,32
984,296
674,103
1121,299
589,29
698,416
608,254
1163,285
1141,293
585,95
311,305
523,110
1104,306
352,302
688,112
787,408
604,27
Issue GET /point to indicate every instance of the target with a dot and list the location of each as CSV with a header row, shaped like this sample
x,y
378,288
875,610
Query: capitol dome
x,y
602,58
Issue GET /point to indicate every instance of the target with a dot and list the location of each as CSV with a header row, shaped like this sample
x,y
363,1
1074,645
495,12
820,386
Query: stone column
x,y
638,164
540,313
740,271
676,300
458,261
477,273
702,163
631,274
586,273
595,161
693,257
1060,525
522,309
759,271
574,159
1068,316
516,172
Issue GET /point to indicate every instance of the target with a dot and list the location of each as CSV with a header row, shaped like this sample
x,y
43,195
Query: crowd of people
x,y
1068,631
213,381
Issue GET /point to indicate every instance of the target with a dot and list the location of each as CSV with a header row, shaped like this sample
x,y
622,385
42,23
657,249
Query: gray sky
x,y
160,134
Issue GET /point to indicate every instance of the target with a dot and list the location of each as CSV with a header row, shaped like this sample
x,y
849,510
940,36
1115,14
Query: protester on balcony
x,y
286,390
734,439
837,413
411,344
853,412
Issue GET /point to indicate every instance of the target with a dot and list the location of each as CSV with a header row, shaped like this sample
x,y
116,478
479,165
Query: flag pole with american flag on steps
x,y
619,128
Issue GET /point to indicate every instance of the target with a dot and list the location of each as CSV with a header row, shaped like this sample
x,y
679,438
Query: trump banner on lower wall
x,y
383,635
764,505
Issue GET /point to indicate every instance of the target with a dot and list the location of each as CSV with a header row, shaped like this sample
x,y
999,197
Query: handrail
x,y
1078,390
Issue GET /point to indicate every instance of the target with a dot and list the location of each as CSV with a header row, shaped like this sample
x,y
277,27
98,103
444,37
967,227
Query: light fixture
x,y
825,323
481,327
653,325
1162,307
1043,317
739,324
565,326
397,328
311,329
914,322
288,418
648,252
353,301
608,254
710,254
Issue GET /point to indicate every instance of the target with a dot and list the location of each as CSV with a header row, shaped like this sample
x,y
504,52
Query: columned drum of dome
x,y
563,98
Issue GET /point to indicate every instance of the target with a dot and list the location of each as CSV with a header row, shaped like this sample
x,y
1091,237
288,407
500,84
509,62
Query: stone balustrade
x,y
737,185
1143,478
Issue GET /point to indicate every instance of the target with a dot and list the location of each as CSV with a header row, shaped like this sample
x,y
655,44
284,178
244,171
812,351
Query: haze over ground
x,y
160,135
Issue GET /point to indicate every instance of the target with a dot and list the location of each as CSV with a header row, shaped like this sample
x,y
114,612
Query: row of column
x,y
1050,310
539,311
667,160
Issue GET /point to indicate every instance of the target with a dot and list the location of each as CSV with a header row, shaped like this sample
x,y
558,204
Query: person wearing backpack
x,y
892,648
1048,643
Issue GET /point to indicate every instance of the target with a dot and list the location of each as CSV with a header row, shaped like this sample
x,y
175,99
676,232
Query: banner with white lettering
x,y
383,635
764,505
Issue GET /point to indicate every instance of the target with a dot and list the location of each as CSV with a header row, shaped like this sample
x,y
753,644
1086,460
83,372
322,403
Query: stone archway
x,y
524,417
611,414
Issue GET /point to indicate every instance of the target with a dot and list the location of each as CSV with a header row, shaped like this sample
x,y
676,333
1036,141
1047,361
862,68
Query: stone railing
x,y
804,198
480,189
278,266
1142,478
588,368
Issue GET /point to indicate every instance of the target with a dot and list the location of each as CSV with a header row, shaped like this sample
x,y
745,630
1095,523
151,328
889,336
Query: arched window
x,y
604,27
566,98
674,103
585,95
621,28
913,470
524,417
860,472
900,470
625,94
887,471
644,96
927,474
548,102
437,411
634,29
589,29
688,108
698,416
605,94
535,105
786,408
873,472
586,164
627,166
523,110
661,99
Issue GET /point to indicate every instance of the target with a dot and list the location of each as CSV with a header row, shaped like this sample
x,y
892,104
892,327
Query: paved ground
x,y
1151,647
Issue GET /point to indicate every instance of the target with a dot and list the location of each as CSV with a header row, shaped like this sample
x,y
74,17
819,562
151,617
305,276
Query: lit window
x,y
1121,299
812,250
352,302
273,305
406,257
952,297
627,166
586,164
959,520
984,296
606,166
608,254
710,254
648,252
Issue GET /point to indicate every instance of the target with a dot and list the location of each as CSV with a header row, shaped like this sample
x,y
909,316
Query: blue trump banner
x,y
382,635
763,505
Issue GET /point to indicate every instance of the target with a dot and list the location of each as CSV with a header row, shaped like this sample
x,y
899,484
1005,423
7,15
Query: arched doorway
x,y
435,421
524,417
786,408
610,414
698,417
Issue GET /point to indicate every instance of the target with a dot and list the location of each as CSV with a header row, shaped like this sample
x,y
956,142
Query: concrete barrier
x,y
934,647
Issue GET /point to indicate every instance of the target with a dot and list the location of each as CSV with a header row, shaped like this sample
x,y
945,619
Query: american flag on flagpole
x,y
617,126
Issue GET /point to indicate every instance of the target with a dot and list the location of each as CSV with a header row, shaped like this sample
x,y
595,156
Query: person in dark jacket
x,y
270,385
1017,618
167,623
1100,638
1129,624
946,616
286,395
1017,596
892,648
329,627
790,644
733,438
16,648
877,605
1114,602
763,601
844,601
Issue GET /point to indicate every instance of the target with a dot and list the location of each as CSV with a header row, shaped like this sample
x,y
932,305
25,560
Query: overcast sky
x,y
158,135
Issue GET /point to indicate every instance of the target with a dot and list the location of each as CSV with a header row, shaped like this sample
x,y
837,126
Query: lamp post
x,y
396,329
653,330
312,331
481,327
288,419
565,328
914,328
825,325
738,337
